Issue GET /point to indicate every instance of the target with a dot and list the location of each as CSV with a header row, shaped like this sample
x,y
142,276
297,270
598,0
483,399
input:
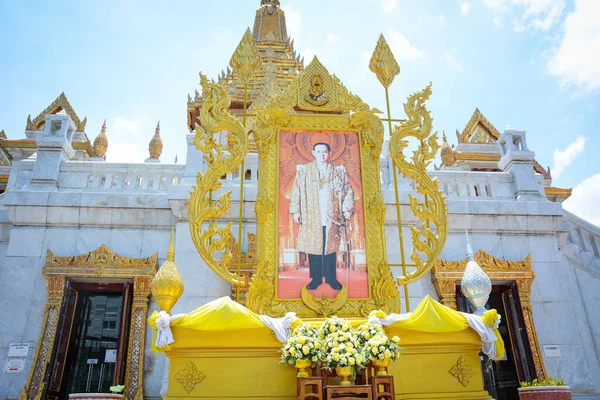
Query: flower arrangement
x,y
380,347
366,331
341,348
550,381
303,344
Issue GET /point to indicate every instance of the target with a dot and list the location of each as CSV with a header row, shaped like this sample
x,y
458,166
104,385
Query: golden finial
x,y
447,153
246,59
167,285
101,142
383,63
3,135
156,145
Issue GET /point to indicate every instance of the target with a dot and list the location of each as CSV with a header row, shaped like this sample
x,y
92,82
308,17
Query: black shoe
x,y
335,285
313,284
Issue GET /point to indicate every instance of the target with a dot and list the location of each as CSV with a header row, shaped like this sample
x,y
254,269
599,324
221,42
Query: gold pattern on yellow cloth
x,y
189,377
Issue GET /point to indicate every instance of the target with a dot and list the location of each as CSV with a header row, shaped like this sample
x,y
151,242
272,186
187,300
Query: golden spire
x,y
167,285
447,153
383,63
156,145
3,135
101,142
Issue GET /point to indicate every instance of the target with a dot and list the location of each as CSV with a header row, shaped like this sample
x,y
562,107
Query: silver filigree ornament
x,y
476,285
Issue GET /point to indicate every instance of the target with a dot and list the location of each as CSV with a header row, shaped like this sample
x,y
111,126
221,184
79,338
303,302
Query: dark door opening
x,y
502,377
90,349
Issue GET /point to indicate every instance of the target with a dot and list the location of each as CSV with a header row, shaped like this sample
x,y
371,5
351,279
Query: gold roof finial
x,y
447,153
156,145
101,142
3,135
383,63
167,285
246,58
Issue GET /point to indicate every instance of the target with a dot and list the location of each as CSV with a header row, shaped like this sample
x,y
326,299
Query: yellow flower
x,y
302,339
315,359
351,361
367,336
335,357
387,354
374,350
293,351
489,317
332,329
396,339
345,328
305,349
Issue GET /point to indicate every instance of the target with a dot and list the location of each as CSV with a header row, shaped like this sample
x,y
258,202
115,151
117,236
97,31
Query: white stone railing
x,y
497,185
101,176
583,234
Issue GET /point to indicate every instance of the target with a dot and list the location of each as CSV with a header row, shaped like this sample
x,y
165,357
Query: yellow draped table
x,y
223,351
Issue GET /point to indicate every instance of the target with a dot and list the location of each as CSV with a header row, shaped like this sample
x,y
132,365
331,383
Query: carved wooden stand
x,y
316,387
383,387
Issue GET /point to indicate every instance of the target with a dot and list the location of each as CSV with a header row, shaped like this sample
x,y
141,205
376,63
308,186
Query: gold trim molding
x,y
446,274
98,264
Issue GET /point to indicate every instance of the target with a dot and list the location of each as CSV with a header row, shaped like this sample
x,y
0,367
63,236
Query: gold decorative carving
x,y
462,371
245,59
372,131
432,211
383,63
202,210
155,147
324,306
99,264
263,207
347,113
446,274
101,142
60,104
447,153
3,135
478,130
316,95
167,285
247,258
267,124
377,208
189,377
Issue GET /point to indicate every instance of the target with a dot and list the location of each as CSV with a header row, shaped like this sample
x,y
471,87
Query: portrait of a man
x,y
322,202
320,214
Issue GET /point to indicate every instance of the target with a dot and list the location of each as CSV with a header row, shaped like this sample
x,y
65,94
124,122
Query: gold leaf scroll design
x,y
246,58
433,210
384,292
462,371
262,291
267,125
189,377
371,129
204,213
264,207
383,63
325,306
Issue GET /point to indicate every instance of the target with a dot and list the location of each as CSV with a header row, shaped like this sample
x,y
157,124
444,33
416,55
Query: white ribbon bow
x,y
164,336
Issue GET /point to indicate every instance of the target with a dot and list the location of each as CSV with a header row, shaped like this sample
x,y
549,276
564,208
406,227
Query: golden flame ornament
x,y
246,58
155,147
101,142
383,64
167,285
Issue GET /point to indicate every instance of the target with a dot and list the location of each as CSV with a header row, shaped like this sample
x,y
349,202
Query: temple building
x,y
81,240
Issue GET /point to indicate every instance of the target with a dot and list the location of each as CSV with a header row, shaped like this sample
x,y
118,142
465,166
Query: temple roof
x,y
281,64
61,103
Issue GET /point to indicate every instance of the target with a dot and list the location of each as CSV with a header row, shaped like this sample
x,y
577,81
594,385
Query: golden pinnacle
x,y
383,63
246,59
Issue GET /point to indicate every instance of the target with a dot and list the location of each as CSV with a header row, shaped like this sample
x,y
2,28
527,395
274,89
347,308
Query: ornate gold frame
x,y
445,275
282,113
99,264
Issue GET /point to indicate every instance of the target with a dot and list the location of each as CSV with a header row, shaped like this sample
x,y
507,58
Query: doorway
x,y
502,377
91,343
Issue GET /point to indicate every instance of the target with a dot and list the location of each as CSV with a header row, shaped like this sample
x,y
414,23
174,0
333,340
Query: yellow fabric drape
x,y
224,315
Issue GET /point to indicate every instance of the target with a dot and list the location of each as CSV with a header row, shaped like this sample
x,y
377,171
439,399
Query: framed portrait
x,y
320,212
319,208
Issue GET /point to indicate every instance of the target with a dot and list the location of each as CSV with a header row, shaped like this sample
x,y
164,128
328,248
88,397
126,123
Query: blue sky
x,y
531,64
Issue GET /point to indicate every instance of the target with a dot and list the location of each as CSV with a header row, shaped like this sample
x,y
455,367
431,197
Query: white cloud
x,y
401,47
293,19
332,38
564,158
122,126
126,152
450,57
577,60
541,14
584,200
465,7
497,21
389,5
494,5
